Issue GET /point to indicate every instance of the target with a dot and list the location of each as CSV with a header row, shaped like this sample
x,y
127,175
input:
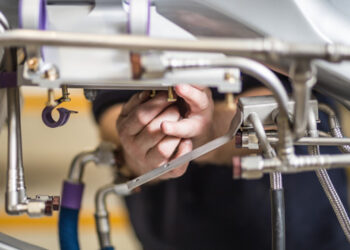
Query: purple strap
x,y
8,79
72,195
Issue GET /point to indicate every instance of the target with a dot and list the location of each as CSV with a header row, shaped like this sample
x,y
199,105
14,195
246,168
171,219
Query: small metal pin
x,y
50,98
153,93
33,63
65,94
171,97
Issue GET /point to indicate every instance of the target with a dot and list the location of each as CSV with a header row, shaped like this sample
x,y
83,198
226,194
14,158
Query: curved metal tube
x,y
327,184
277,193
334,125
102,216
77,167
248,66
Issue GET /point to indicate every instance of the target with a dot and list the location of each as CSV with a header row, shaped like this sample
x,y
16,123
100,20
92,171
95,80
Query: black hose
x,y
278,219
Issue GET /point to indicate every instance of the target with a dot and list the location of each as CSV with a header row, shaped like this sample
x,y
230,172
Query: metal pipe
x,y
311,141
299,163
303,76
334,126
327,184
102,216
268,151
259,49
15,190
277,193
248,66
77,167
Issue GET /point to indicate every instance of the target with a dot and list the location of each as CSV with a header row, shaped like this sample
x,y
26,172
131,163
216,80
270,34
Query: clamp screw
x,y
153,93
171,97
33,64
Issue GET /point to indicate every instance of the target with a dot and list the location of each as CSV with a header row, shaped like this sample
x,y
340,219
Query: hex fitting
x,y
252,167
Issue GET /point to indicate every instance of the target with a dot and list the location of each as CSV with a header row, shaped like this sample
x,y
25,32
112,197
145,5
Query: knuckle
x,y
141,117
162,151
149,129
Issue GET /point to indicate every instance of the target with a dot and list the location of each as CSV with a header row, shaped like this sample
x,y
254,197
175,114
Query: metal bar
x,y
312,141
255,48
15,189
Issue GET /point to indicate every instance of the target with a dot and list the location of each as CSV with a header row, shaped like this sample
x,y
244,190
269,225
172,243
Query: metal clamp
x,y
47,118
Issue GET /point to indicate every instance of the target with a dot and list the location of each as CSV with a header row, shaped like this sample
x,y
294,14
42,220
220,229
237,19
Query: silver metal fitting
x,y
252,167
36,208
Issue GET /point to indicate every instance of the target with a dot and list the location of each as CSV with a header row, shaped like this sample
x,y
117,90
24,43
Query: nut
x,y
36,208
252,167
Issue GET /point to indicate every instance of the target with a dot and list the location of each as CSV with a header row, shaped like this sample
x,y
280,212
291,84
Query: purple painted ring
x,y
72,195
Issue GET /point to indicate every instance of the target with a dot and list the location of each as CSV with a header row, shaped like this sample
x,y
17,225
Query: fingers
x,y
184,148
162,152
197,99
141,116
185,128
151,135
135,100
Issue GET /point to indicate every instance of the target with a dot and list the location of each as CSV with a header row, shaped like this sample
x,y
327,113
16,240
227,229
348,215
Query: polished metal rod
x,y
254,48
311,141
15,189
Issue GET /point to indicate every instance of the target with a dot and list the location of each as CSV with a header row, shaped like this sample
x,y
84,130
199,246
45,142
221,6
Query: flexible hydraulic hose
x,y
276,192
327,184
334,126
72,195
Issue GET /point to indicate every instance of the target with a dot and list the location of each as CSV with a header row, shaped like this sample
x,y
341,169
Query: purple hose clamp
x,y
72,195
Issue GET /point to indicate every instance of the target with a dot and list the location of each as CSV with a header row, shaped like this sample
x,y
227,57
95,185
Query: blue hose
x,y
72,195
68,229
108,248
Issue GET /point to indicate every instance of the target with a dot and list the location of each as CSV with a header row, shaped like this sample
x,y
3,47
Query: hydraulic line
x,y
72,193
334,126
276,192
102,217
327,184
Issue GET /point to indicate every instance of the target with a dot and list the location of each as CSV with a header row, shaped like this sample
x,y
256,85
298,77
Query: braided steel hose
x,y
334,126
327,184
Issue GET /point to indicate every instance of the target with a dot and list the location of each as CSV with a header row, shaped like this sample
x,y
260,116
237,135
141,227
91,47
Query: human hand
x,y
197,124
145,146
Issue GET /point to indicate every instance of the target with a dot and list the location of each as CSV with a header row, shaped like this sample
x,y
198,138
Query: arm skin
x,y
152,131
